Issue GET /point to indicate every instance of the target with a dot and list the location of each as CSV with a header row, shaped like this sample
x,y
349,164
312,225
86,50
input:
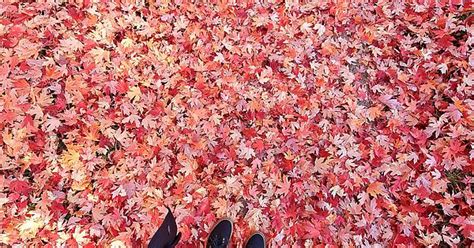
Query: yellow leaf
x,y
374,112
392,207
80,180
117,244
331,218
30,227
79,185
134,93
127,42
375,189
70,159
289,155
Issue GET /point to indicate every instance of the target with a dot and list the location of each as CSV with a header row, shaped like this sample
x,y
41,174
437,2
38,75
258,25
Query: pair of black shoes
x,y
167,235
222,232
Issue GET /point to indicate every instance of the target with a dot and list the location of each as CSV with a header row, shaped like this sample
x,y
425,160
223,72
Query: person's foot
x,y
257,240
220,234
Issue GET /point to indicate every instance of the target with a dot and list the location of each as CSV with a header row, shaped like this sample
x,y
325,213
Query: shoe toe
x,y
256,241
220,234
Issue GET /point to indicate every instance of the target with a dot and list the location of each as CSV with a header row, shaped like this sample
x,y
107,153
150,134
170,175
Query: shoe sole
x,y
231,229
259,233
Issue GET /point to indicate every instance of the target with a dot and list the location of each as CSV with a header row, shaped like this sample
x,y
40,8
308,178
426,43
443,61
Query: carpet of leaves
x,y
346,124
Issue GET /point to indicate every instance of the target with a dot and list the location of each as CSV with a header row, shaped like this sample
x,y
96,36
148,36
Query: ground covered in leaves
x,y
345,124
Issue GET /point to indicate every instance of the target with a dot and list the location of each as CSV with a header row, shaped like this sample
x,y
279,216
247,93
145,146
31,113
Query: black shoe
x,y
256,241
220,234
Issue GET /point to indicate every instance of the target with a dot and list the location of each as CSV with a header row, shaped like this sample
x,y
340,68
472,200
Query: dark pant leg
x,y
166,236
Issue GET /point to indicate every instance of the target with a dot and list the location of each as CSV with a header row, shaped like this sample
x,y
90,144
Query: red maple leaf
x,y
258,145
445,41
21,187
8,117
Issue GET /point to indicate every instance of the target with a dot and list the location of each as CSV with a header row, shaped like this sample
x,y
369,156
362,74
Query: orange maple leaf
x,y
375,188
93,132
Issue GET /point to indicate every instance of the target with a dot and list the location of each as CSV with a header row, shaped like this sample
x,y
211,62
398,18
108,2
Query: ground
x,y
324,123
